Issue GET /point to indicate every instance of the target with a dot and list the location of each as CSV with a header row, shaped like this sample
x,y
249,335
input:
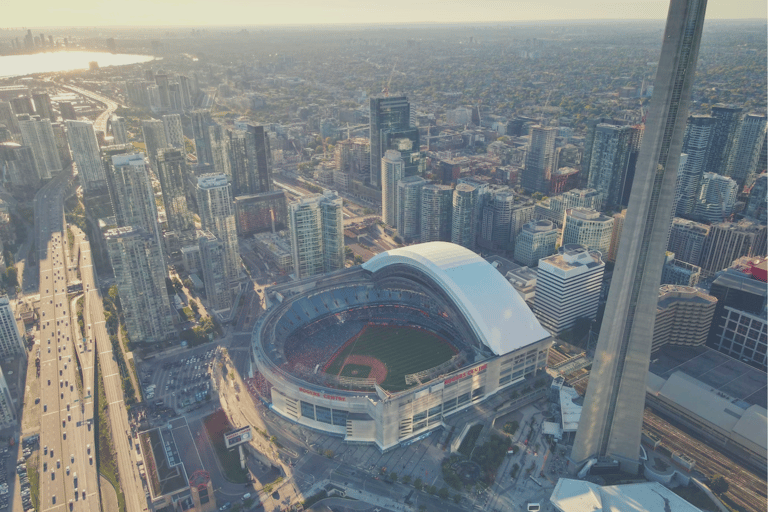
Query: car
x,y
45,450
67,470
53,499
226,506
64,434
45,466
72,458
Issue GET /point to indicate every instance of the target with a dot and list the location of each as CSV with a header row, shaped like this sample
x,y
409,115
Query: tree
x,y
406,479
511,427
329,453
719,485
195,308
457,498
418,484
432,490
358,260
177,285
188,284
443,493
393,476
422,508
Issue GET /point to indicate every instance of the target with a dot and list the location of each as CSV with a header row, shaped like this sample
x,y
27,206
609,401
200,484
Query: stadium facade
x,y
438,287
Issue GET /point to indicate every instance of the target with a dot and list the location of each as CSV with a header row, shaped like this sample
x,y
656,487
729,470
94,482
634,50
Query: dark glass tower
x,y
389,114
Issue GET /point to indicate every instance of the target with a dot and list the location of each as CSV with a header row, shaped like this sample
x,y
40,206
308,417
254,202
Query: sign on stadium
x,y
236,437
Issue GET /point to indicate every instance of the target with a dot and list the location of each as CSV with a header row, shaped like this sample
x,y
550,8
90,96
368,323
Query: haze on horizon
x,y
164,13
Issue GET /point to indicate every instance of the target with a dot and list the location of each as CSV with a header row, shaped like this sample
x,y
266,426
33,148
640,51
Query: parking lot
x,y
181,381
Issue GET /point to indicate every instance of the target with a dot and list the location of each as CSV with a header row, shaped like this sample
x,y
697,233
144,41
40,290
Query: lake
x,y
53,62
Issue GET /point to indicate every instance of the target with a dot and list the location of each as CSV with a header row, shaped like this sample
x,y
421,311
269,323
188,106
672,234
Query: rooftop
x,y
581,496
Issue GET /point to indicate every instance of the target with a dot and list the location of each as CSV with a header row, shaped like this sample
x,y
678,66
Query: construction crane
x,y
386,87
546,103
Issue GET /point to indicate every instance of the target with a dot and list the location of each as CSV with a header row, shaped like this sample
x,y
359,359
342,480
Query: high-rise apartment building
x,y
679,272
11,342
409,207
174,134
17,163
577,198
589,228
464,223
496,221
317,234
119,132
201,120
686,240
67,110
37,133
7,407
213,266
43,106
154,138
683,317
257,213
539,159
259,157
238,161
391,173
609,162
353,156
217,215
140,272
218,141
727,123
746,148
388,114
729,241
698,134
133,199
23,105
163,90
86,154
568,287
757,202
8,117
172,174
537,240
612,416
717,198
436,213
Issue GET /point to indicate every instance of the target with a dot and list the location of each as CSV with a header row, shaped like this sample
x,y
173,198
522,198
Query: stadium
x,y
382,352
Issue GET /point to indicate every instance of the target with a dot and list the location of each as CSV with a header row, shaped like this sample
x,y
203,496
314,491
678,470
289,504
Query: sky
x,y
59,13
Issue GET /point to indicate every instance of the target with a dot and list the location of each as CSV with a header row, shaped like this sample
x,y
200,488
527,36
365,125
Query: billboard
x,y
239,436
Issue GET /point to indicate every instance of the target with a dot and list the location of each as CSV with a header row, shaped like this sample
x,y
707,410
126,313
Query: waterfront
x,y
54,62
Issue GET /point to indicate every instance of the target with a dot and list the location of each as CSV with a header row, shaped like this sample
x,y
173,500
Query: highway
x,y
68,479
96,330
101,122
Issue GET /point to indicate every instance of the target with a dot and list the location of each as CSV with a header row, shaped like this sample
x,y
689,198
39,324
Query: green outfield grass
x,y
402,350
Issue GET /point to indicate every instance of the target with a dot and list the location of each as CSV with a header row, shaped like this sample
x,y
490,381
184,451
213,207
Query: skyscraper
x,y
11,343
172,174
259,169
140,273
683,317
589,228
612,416
539,159
38,134
409,207
728,241
717,198
238,161
218,141
391,173
214,203
85,153
609,162
727,123
201,120
133,199
213,263
758,199
154,138
174,134
18,164
698,134
464,223
686,240
387,114
436,213
43,106
746,148
8,117
119,133
317,234
537,240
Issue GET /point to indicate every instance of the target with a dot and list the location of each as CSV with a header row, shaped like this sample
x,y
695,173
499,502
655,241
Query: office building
x,y
201,120
496,221
618,225
609,162
259,175
163,91
728,241
745,153
43,106
140,272
218,141
726,128
539,159
238,161
391,173
119,132
577,198
409,207
568,287
217,215
612,416
174,134
589,228
683,317
261,212
133,199
17,163
317,234
388,114
537,240
67,110
679,272
86,154
11,342
464,223
154,138
62,144
213,266
7,407
8,117
436,213
172,174
696,143
758,199
353,156
187,94
717,198
23,105
38,134
686,240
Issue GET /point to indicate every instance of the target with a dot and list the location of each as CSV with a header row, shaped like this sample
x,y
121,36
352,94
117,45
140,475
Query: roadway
x,y
65,423
101,122
98,340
